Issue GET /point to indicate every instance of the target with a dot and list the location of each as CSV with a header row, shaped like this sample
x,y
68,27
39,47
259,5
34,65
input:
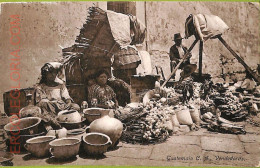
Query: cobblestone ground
x,y
198,148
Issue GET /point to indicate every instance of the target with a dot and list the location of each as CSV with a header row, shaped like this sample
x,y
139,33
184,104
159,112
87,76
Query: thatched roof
x,y
105,33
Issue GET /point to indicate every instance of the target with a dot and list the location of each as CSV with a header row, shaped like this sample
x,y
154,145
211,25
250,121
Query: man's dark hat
x,y
177,36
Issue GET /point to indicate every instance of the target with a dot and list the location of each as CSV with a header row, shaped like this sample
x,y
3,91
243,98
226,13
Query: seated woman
x,y
51,94
100,94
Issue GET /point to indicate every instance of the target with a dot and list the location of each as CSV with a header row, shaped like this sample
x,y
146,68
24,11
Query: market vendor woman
x,y
51,94
101,95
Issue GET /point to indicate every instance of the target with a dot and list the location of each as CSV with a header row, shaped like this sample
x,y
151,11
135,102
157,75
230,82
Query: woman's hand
x,y
68,104
110,104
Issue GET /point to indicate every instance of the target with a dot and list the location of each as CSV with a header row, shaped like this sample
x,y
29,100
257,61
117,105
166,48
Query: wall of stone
x,y
47,26
44,28
164,19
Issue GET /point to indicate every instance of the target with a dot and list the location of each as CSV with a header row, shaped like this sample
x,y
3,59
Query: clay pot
x,y
39,146
76,133
30,111
109,126
69,116
61,133
6,156
24,126
96,143
65,148
73,125
92,114
21,140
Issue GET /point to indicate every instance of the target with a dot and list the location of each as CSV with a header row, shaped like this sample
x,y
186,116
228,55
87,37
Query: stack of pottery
x,y
3,120
2,140
6,158
70,119
25,128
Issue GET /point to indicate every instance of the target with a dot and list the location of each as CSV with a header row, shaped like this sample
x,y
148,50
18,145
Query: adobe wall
x,y
44,28
164,19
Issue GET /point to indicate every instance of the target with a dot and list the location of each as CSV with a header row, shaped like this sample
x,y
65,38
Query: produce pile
x,y
216,105
157,124
153,122
210,96
230,106
152,126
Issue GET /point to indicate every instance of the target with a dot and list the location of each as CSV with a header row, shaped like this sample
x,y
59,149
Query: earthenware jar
x,y
70,116
109,126
39,146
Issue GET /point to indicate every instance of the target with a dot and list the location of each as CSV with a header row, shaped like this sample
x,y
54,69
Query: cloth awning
x,y
204,27
105,34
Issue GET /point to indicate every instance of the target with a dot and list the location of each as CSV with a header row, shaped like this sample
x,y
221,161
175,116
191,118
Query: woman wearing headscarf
x,y
51,94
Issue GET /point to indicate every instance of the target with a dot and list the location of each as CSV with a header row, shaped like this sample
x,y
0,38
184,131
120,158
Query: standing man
x,y
177,52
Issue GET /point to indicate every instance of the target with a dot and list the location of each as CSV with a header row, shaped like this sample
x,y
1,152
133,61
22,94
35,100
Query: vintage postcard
x,y
130,83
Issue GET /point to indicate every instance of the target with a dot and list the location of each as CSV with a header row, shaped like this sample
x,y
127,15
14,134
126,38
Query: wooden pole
x,y
184,57
200,58
257,78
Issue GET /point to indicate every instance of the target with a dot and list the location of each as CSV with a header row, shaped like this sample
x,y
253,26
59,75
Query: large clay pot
x,y
30,111
109,126
96,143
39,146
92,114
65,148
24,126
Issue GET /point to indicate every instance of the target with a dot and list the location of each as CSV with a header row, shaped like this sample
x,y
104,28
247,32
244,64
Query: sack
x,y
248,84
195,115
145,67
169,125
175,122
148,96
184,117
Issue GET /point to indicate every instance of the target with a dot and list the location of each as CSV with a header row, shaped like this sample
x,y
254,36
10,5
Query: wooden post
x,y
239,59
200,58
184,57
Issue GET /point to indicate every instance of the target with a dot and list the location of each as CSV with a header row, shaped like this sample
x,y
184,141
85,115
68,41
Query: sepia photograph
x,y
130,83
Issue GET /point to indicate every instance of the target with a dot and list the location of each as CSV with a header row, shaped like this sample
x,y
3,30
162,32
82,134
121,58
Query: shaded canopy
x,y
106,34
204,27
